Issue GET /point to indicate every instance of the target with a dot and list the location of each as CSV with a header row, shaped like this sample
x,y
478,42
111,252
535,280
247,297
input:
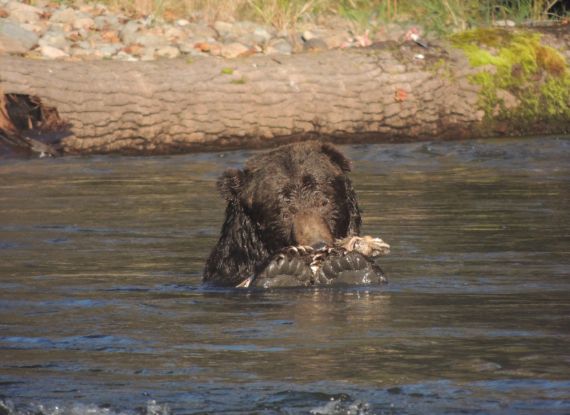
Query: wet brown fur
x,y
298,194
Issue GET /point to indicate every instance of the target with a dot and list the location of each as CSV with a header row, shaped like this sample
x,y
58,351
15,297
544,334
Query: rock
x,y
247,40
50,52
54,39
151,40
174,34
203,31
15,39
331,37
83,45
38,28
243,27
65,16
279,46
223,28
110,22
308,35
187,46
83,23
296,41
82,53
88,27
168,52
130,31
391,31
108,50
134,49
124,56
314,44
193,52
261,36
233,50
504,23
110,36
215,49
23,13
335,39
247,33
91,8
199,43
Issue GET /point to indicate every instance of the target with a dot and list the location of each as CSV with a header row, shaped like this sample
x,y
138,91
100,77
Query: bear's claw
x,y
366,245
245,283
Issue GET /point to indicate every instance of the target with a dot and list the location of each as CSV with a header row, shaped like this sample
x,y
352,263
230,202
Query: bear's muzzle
x,y
311,229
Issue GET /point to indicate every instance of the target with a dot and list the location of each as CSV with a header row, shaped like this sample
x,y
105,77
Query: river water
x,y
102,312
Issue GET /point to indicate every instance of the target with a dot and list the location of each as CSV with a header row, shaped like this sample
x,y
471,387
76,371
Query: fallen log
x,y
387,92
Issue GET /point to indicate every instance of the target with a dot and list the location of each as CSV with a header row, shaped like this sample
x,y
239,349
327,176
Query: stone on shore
x,y
65,16
88,30
83,22
55,39
50,52
279,46
23,13
170,52
130,31
14,39
233,50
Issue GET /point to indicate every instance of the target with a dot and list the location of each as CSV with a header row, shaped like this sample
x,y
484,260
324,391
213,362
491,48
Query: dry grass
x,y
284,14
439,15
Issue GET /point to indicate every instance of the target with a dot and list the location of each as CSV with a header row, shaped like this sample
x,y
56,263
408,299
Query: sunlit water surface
x,y
101,309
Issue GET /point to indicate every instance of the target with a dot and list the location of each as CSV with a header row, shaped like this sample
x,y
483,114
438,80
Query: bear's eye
x,y
324,202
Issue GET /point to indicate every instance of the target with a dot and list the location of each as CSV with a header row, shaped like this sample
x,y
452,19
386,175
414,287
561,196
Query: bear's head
x,y
297,194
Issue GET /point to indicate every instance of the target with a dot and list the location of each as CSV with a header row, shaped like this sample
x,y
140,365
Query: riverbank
x,y
94,31
236,89
147,30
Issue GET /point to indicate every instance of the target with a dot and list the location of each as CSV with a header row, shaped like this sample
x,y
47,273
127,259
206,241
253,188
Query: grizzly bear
x,y
295,195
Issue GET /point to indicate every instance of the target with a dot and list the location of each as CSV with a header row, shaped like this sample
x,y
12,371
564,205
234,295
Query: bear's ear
x,y
231,183
336,157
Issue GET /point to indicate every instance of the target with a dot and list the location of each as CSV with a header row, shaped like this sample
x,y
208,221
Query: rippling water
x,y
101,309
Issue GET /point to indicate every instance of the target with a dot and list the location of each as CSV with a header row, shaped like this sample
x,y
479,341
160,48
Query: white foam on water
x,y
151,408
338,407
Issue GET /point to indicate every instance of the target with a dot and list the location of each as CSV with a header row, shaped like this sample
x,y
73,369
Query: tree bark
x,y
356,95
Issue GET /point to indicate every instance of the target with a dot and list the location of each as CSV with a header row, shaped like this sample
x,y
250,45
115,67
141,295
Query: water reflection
x,y
101,304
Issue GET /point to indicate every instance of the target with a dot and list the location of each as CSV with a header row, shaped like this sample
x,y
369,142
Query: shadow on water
x,y
101,308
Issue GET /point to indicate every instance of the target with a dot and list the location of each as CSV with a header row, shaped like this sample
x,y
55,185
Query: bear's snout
x,y
311,229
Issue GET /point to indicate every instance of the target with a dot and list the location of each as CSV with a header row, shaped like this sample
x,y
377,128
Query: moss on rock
x,y
515,64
